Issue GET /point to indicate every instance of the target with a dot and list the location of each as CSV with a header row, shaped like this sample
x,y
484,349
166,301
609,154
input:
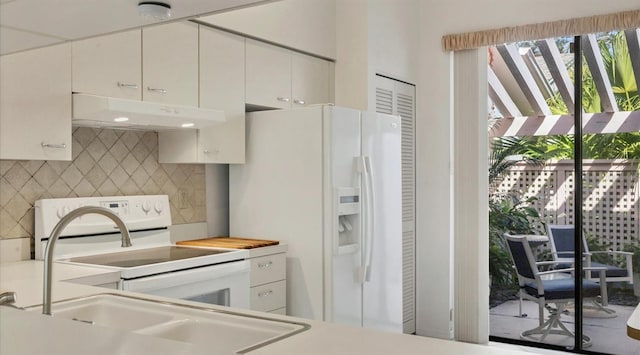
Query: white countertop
x,y
633,324
18,329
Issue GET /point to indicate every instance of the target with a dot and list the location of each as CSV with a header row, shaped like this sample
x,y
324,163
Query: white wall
x,y
306,25
352,54
374,37
217,183
434,143
394,38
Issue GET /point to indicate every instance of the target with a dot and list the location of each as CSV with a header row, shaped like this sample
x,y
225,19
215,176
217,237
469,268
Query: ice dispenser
x,y
347,219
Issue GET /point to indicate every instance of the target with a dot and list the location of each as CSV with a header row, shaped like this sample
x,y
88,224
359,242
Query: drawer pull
x,y
265,265
299,102
129,86
161,91
265,293
50,145
283,99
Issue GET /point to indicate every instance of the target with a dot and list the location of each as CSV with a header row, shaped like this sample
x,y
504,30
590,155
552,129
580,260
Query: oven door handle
x,y
185,277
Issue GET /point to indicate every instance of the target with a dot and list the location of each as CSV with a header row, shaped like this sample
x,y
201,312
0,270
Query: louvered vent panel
x,y
390,100
405,109
384,101
408,276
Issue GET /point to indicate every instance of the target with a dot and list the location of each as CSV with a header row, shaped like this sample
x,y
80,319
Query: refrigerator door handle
x,y
371,219
362,271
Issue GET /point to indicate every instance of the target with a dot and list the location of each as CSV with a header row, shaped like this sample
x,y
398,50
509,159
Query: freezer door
x,y
382,243
343,292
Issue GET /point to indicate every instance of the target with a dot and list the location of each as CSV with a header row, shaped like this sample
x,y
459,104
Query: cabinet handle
x,y
128,86
49,145
299,102
265,265
161,91
207,151
265,293
283,99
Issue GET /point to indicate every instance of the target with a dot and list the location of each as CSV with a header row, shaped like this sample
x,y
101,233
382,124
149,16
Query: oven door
x,y
222,284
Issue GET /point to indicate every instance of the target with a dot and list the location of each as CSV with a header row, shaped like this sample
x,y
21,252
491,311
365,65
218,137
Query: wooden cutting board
x,y
229,242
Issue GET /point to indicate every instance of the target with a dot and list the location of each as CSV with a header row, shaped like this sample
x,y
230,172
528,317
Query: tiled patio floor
x,y
608,335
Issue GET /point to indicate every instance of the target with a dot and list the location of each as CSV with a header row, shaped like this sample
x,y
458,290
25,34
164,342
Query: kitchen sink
x,y
223,332
109,312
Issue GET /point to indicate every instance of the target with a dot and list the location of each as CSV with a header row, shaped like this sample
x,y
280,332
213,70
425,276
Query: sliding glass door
x,y
561,108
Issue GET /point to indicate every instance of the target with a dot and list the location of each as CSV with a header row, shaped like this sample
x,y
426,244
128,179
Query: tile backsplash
x,y
105,162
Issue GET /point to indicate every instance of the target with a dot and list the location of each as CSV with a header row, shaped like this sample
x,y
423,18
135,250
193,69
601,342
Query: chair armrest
x,y
622,252
571,253
551,262
555,271
562,252
611,252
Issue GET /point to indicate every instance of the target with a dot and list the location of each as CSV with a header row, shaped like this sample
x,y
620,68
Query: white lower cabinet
x,y
268,297
268,291
35,104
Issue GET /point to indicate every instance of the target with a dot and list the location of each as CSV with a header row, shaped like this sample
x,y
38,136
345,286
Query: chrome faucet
x,y
55,233
7,298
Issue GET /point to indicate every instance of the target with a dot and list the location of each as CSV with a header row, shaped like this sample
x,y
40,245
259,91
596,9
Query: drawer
x,y
267,269
269,297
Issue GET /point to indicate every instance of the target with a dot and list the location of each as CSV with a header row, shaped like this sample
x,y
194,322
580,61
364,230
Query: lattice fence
x,y
610,192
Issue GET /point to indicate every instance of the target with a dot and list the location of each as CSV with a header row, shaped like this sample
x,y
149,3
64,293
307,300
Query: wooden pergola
x,y
519,89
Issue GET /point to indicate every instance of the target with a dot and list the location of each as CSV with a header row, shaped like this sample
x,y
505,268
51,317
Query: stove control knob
x,y
158,207
146,207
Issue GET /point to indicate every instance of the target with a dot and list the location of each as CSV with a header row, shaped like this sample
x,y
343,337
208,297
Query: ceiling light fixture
x,y
154,9
121,119
187,125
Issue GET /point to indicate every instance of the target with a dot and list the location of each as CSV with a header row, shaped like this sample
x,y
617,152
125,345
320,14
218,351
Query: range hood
x,y
109,112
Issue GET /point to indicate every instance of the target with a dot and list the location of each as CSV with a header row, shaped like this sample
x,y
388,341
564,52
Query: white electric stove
x,y
153,265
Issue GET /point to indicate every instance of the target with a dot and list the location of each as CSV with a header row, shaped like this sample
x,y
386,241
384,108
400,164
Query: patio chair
x,y
562,248
559,292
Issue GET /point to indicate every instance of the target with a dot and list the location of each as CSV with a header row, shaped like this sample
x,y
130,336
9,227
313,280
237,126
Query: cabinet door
x,y
108,65
170,63
35,104
268,70
309,80
222,87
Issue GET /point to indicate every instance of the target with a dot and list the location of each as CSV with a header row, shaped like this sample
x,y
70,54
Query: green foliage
x,y
508,213
617,62
594,146
504,149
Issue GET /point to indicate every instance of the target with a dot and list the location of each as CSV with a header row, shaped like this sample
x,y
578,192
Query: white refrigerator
x,y
327,181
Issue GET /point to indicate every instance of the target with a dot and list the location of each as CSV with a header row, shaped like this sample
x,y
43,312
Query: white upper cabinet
x,y
280,78
158,64
268,69
309,80
170,63
35,104
221,87
109,65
